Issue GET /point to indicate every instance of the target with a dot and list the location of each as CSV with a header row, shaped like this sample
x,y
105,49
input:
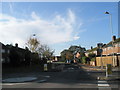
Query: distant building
x,y
93,50
57,58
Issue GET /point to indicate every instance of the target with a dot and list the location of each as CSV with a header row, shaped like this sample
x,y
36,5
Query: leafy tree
x,y
69,55
91,55
73,50
84,59
63,54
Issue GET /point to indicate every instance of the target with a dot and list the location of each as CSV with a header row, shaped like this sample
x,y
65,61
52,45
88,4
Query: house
x,y
112,47
5,53
97,50
13,54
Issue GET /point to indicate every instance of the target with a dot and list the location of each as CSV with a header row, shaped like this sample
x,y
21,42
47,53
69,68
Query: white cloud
x,y
76,37
58,30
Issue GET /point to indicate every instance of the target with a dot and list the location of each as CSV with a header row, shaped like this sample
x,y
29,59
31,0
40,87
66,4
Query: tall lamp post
x,y
111,28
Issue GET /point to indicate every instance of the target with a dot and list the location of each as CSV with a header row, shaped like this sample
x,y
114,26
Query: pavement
x,y
113,76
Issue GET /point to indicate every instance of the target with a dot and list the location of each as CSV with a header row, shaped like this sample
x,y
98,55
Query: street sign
x,y
108,70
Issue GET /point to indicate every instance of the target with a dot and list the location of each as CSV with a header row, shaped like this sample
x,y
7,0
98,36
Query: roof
x,y
91,50
110,43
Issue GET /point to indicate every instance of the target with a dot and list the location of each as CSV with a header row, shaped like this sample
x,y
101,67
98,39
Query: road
x,y
72,76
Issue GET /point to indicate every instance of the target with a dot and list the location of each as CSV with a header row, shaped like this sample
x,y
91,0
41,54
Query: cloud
x,y
59,30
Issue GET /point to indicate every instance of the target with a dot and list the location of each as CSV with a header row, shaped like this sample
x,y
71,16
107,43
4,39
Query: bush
x,y
84,60
91,55
93,59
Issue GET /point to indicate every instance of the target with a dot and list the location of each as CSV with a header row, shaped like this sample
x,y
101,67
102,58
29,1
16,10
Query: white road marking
x,y
13,83
105,85
102,81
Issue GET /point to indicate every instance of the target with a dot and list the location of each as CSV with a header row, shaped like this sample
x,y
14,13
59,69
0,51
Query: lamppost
x,y
111,28
110,22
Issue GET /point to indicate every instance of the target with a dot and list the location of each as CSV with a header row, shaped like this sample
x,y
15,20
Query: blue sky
x,y
59,24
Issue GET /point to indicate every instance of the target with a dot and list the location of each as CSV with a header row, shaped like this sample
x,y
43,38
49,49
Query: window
x,y
3,60
109,48
3,50
8,51
104,49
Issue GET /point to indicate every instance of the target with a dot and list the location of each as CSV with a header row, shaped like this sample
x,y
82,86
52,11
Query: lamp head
x,y
107,12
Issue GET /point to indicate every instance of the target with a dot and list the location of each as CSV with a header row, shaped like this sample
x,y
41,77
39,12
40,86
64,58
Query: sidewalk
x,y
91,68
97,68
114,76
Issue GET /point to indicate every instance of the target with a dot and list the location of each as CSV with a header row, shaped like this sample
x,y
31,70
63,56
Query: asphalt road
x,y
72,76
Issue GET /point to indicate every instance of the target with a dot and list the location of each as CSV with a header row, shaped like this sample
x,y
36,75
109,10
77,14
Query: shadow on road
x,y
71,74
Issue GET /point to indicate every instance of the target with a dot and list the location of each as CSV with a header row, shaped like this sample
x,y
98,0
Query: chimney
x,y
99,45
91,47
16,45
113,38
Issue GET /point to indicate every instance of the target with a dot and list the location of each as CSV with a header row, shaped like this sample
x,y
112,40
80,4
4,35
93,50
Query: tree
x,y
91,55
73,50
63,54
33,44
45,52
69,55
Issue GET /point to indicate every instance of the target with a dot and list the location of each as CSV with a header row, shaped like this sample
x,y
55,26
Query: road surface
x,y
72,76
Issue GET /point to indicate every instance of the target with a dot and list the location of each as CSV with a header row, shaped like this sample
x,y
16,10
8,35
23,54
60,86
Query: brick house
x,y
110,49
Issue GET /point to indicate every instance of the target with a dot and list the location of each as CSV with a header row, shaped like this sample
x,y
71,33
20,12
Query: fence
x,y
114,60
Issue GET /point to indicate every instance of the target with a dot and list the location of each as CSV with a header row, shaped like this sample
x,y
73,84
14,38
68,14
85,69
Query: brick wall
x,y
115,61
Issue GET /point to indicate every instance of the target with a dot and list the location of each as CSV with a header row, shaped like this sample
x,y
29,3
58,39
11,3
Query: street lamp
x,y
111,31
110,22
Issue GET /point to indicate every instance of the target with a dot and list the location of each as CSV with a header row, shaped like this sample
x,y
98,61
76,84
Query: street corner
x,y
19,79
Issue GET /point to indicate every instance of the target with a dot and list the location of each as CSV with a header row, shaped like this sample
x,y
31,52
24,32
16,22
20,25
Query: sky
x,y
58,24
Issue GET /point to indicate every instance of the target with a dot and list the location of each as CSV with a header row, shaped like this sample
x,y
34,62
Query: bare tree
x,y
33,44
45,51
